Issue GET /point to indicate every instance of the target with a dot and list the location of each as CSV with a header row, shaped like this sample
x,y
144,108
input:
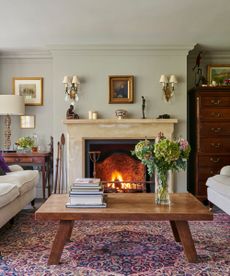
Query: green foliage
x,y
25,142
163,155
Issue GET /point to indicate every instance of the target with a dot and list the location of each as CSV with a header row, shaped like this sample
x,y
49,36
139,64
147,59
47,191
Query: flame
x,y
116,176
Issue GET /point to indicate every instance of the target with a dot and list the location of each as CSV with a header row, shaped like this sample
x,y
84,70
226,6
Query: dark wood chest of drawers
x,y
209,135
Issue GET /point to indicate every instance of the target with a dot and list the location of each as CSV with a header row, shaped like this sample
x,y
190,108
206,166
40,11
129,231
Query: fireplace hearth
x,y
114,164
78,131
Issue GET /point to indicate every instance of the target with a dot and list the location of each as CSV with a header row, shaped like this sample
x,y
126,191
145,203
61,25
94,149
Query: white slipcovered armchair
x,y
219,189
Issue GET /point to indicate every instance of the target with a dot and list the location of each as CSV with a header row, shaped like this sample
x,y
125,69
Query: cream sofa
x,y
219,189
17,189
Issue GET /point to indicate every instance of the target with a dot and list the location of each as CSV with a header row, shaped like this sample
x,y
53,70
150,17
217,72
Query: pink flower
x,y
183,144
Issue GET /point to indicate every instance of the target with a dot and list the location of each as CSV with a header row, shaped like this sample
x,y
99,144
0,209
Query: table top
x,y
127,206
27,154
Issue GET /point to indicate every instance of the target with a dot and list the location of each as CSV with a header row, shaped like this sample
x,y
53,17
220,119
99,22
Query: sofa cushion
x,y
3,164
8,192
220,184
25,180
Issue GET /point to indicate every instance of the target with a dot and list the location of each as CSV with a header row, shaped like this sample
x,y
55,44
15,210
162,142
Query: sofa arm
x,y
15,168
225,170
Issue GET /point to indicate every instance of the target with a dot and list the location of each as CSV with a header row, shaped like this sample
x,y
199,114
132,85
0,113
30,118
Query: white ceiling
x,y
38,23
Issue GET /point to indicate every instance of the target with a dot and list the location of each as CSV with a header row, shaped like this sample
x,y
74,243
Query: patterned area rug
x,y
114,248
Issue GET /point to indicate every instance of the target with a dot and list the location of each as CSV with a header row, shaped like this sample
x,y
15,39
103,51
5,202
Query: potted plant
x,y
25,143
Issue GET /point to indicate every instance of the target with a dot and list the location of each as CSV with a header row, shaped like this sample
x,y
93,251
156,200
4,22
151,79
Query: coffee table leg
x,y
186,240
63,234
174,230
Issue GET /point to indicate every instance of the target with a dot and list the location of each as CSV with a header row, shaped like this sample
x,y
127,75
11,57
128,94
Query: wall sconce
x,y
72,86
168,86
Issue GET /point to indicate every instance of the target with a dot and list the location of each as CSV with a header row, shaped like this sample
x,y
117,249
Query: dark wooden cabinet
x,y
208,134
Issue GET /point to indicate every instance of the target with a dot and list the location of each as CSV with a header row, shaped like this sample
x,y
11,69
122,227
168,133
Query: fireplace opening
x,y
118,169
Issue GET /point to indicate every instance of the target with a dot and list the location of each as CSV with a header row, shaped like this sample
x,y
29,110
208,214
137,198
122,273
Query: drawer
x,y
214,129
214,114
217,101
18,160
213,161
206,172
214,145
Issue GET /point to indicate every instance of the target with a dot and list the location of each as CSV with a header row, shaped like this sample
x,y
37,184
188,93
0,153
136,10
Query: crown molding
x,y
120,49
25,54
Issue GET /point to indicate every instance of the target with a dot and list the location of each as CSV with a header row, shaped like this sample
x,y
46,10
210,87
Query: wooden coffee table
x,y
126,206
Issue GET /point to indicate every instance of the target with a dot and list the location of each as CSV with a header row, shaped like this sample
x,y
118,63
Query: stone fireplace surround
x,y
79,130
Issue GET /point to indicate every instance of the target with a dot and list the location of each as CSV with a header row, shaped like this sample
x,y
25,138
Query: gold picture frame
x,y
31,88
121,89
219,74
27,121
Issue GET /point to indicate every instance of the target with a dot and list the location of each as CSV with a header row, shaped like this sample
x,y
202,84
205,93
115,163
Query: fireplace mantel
x,y
78,130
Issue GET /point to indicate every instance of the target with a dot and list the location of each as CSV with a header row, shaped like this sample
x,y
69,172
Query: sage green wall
x,y
93,65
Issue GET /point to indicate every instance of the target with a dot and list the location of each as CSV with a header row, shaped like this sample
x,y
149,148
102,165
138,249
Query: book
x,y
87,181
86,199
87,192
69,205
87,187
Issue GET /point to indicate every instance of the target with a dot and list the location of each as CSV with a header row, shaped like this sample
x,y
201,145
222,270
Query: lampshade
x,y
12,105
163,79
173,79
75,80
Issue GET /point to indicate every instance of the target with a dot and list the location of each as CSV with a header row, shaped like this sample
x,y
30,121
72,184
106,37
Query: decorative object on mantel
x,y
121,89
70,114
143,107
162,156
168,86
121,113
10,105
164,116
72,86
31,88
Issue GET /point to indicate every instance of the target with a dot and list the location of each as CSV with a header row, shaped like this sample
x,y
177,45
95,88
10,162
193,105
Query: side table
x,y
41,159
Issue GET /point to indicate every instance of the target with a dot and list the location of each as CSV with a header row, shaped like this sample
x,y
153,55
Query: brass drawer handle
x,y
216,130
216,114
217,146
215,160
17,159
215,102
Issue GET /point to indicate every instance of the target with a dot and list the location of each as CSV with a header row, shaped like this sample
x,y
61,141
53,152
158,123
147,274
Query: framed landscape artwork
x,y
219,73
121,89
31,88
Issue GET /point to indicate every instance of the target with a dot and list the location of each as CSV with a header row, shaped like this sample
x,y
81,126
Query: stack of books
x,y
86,193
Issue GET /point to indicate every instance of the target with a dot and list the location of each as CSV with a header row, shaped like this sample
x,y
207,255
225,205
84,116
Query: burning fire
x,y
117,182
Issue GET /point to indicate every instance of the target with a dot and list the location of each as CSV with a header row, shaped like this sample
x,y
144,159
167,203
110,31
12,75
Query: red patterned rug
x,y
114,248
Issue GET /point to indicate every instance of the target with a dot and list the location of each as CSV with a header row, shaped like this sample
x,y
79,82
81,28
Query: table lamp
x,y
10,105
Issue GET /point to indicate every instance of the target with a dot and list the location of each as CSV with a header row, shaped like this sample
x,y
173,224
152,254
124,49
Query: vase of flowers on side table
x,y
25,144
162,156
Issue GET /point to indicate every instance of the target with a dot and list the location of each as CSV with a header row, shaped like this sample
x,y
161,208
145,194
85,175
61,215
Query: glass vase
x,y
161,188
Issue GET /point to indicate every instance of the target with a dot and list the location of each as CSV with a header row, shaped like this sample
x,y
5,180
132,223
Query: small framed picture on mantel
x,y
31,88
121,89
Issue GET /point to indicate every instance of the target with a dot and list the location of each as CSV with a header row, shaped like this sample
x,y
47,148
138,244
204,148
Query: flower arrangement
x,y
162,156
26,142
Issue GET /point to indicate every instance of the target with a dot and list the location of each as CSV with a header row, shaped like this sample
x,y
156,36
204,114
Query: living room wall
x,y
93,65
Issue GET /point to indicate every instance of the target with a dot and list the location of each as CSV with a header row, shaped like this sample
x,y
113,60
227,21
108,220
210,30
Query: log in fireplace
x,y
112,162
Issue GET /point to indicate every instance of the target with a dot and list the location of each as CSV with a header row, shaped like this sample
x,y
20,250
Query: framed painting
x,y
31,88
27,121
219,74
121,89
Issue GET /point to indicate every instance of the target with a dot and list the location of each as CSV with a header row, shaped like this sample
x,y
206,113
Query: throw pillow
x,y
3,164
2,172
